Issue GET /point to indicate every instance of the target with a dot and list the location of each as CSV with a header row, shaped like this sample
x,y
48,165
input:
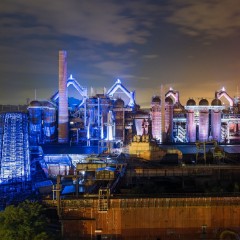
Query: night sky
x,y
191,46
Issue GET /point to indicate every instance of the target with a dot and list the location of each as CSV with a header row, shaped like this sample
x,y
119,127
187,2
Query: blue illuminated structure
x,y
81,90
15,160
118,86
42,122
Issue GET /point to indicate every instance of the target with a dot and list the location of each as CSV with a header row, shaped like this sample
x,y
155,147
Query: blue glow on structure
x,y
15,159
102,130
88,131
110,127
81,90
118,85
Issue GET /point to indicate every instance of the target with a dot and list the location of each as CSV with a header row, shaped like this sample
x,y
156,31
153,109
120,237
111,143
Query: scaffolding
x,y
1,130
14,146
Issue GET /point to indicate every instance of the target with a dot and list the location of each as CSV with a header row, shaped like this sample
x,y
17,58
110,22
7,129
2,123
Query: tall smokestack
x,y
163,114
63,99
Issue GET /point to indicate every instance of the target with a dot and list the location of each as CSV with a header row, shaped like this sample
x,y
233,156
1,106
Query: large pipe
x,y
63,99
163,133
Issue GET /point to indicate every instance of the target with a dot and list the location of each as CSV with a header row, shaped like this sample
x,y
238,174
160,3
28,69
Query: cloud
x,y
208,18
112,68
150,56
99,21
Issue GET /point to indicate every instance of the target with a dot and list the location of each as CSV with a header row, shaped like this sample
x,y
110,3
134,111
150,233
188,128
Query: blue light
x,y
15,161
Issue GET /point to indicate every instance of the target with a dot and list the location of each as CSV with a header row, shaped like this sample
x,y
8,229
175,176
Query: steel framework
x,y
14,146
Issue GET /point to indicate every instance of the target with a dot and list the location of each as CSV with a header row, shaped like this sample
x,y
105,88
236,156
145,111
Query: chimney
x,y
63,99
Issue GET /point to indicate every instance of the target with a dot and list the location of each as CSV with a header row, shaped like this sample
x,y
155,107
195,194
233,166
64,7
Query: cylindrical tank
x,y
203,120
156,117
216,120
35,122
191,125
49,122
169,119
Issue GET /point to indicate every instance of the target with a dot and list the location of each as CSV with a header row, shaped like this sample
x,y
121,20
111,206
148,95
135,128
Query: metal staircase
x,y
181,137
103,199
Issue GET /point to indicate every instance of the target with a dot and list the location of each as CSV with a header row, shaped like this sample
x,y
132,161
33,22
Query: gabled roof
x,y
118,85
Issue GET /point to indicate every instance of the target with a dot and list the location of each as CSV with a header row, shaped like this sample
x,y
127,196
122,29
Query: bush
x,y
24,222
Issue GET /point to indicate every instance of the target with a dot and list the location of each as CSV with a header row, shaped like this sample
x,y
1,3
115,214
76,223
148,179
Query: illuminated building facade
x,y
105,117
214,121
115,116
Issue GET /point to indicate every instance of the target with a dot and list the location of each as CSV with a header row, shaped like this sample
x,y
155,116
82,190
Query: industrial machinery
x,y
217,151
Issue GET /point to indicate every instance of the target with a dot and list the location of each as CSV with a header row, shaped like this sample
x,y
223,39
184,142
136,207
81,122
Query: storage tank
x,y
216,120
191,125
35,122
203,120
156,118
49,121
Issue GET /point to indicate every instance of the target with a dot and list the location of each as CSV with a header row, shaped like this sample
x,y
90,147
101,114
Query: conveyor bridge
x,y
14,148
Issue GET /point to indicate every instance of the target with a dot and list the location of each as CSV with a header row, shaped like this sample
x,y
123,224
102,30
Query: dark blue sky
x,y
192,46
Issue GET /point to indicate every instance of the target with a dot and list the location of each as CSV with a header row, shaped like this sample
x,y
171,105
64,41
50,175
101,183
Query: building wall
x,y
151,218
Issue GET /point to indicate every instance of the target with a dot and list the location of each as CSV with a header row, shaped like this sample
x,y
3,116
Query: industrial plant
x,y
113,170
115,116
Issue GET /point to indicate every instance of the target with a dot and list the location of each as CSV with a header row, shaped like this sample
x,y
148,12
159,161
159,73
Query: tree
x,y
24,222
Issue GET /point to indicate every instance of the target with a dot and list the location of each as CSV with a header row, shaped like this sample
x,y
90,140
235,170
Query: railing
x,y
144,201
231,116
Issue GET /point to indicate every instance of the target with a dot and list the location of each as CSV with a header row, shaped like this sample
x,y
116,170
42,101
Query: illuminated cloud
x,y
83,19
209,18
111,67
150,56
139,41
